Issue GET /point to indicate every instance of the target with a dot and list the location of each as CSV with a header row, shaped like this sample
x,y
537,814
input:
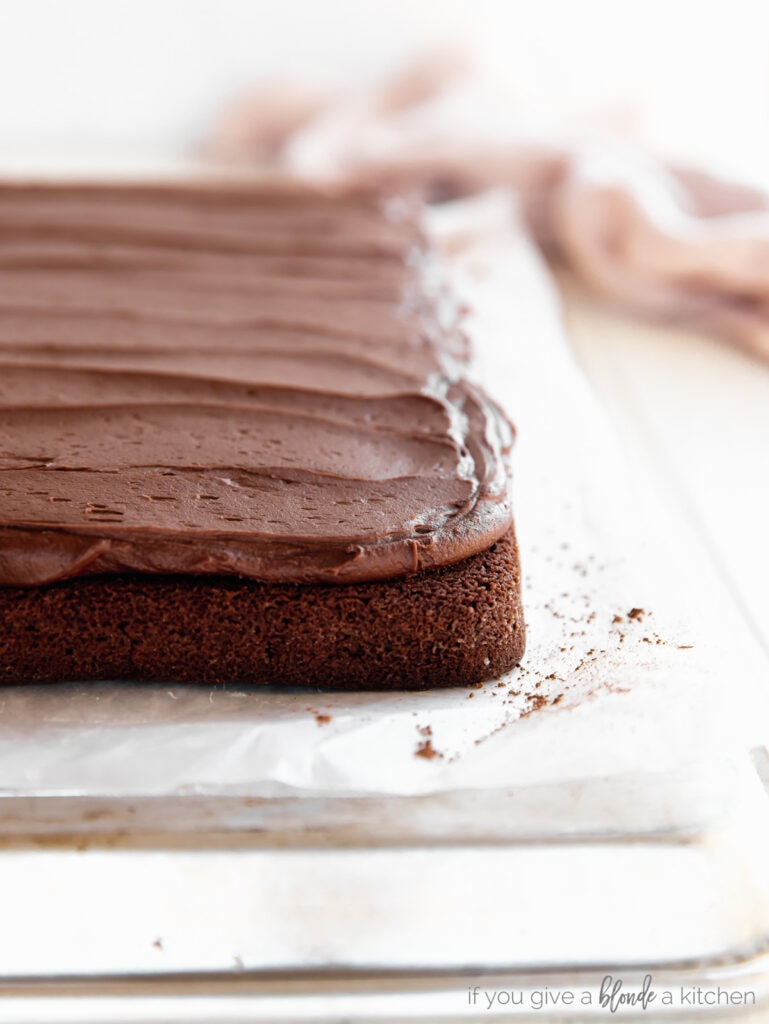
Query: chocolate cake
x,y
239,443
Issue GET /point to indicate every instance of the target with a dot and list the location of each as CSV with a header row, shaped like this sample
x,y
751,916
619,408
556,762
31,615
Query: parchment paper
x,y
636,660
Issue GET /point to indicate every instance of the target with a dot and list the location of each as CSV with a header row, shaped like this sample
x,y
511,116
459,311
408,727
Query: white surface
x,y
696,411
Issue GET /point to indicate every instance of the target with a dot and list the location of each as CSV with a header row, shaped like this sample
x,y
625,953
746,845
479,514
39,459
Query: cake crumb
x,y
427,750
320,717
538,700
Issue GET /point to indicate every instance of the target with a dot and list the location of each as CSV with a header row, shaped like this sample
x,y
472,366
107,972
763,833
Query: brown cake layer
x,y
456,625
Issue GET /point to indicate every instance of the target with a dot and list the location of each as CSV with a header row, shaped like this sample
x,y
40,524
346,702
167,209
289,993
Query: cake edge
x,y
457,625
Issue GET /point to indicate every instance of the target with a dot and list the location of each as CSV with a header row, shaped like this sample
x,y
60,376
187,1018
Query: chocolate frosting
x,y
255,382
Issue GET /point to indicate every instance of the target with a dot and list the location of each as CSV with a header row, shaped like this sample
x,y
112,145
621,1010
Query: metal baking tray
x,y
180,853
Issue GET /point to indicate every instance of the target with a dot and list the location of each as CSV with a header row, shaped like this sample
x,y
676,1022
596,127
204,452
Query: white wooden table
x,y
697,411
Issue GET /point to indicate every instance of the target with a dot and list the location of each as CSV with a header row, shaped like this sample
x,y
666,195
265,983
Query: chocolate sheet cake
x,y
239,443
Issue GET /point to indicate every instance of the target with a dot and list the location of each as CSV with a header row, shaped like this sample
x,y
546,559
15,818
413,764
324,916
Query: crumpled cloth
x,y
664,240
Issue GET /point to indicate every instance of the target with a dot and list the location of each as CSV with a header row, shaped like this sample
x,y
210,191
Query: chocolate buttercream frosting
x,y
268,383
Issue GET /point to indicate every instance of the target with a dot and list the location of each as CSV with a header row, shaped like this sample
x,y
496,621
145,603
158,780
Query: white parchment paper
x,y
636,660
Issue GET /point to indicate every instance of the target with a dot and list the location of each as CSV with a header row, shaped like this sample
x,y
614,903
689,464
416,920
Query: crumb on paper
x,y
157,944
427,750
536,701
321,718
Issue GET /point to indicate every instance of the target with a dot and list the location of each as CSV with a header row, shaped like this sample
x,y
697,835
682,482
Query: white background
x,y
95,78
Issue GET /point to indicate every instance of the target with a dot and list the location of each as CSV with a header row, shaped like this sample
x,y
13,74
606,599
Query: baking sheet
x,y
636,662
295,855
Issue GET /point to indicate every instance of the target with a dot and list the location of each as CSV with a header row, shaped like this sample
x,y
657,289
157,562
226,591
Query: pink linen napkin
x,y
663,240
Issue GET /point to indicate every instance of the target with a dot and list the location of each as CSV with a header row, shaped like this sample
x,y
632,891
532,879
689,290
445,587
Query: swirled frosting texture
x,y
255,382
